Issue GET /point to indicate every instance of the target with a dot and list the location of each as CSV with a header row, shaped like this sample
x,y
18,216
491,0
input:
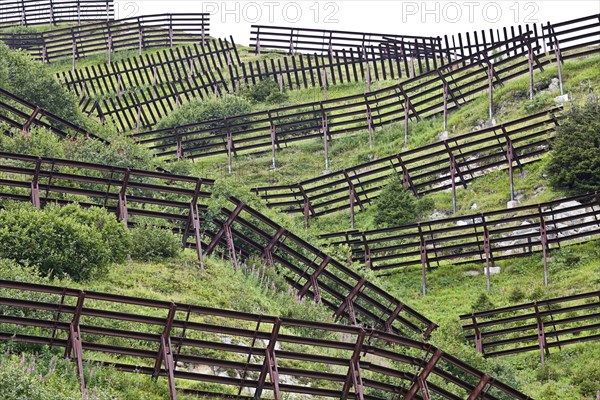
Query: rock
x,y
489,124
570,213
325,172
462,223
437,215
494,270
474,206
512,204
444,135
472,273
561,99
554,85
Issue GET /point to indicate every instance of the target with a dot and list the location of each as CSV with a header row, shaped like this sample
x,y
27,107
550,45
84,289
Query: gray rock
x,y
444,135
561,99
512,204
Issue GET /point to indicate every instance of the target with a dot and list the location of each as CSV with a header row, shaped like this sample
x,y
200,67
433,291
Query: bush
x,y
482,303
61,241
266,91
575,161
207,110
396,206
32,81
154,243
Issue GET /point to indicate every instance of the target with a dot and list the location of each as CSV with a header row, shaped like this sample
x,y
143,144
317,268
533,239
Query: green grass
x,y
568,374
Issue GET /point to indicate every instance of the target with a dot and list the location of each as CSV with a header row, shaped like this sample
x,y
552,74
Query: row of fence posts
x,y
23,21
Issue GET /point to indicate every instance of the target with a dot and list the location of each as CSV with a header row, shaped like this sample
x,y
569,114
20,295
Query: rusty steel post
x,y
530,66
424,261
490,75
406,120
487,248
510,158
445,106
558,54
35,188
369,123
540,333
273,139
325,127
544,241
452,177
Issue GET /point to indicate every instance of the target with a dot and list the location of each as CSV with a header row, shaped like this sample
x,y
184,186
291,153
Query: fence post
x,y
424,262
406,120
558,54
324,74
35,187
324,126
544,241
490,75
487,247
510,157
530,65
273,139
171,31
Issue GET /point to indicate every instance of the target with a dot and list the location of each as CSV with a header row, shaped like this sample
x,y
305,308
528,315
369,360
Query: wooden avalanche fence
x,y
18,113
431,168
260,354
135,196
137,92
437,91
39,12
135,33
414,98
485,237
540,325
242,232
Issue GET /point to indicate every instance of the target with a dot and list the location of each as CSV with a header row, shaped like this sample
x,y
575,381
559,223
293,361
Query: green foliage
x,y
396,206
575,161
482,303
266,91
207,110
154,243
61,241
30,80
29,379
114,233
121,152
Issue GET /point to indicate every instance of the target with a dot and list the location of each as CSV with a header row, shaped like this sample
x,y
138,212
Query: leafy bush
x,y
575,161
266,91
396,206
482,303
154,243
207,110
61,241
114,234
32,81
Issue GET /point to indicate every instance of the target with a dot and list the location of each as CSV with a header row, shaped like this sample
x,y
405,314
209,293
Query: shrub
x,y
266,91
114,233
207,110
482,303
68,241
33,82
153,243
396,206
575,161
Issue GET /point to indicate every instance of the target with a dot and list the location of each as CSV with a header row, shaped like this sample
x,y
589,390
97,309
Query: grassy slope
x,y
451,293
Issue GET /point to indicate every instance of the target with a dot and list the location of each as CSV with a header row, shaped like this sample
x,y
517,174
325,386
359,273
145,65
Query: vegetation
x,y
266,91
62,240
206,110
575,162
30,80
70,246
397,206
